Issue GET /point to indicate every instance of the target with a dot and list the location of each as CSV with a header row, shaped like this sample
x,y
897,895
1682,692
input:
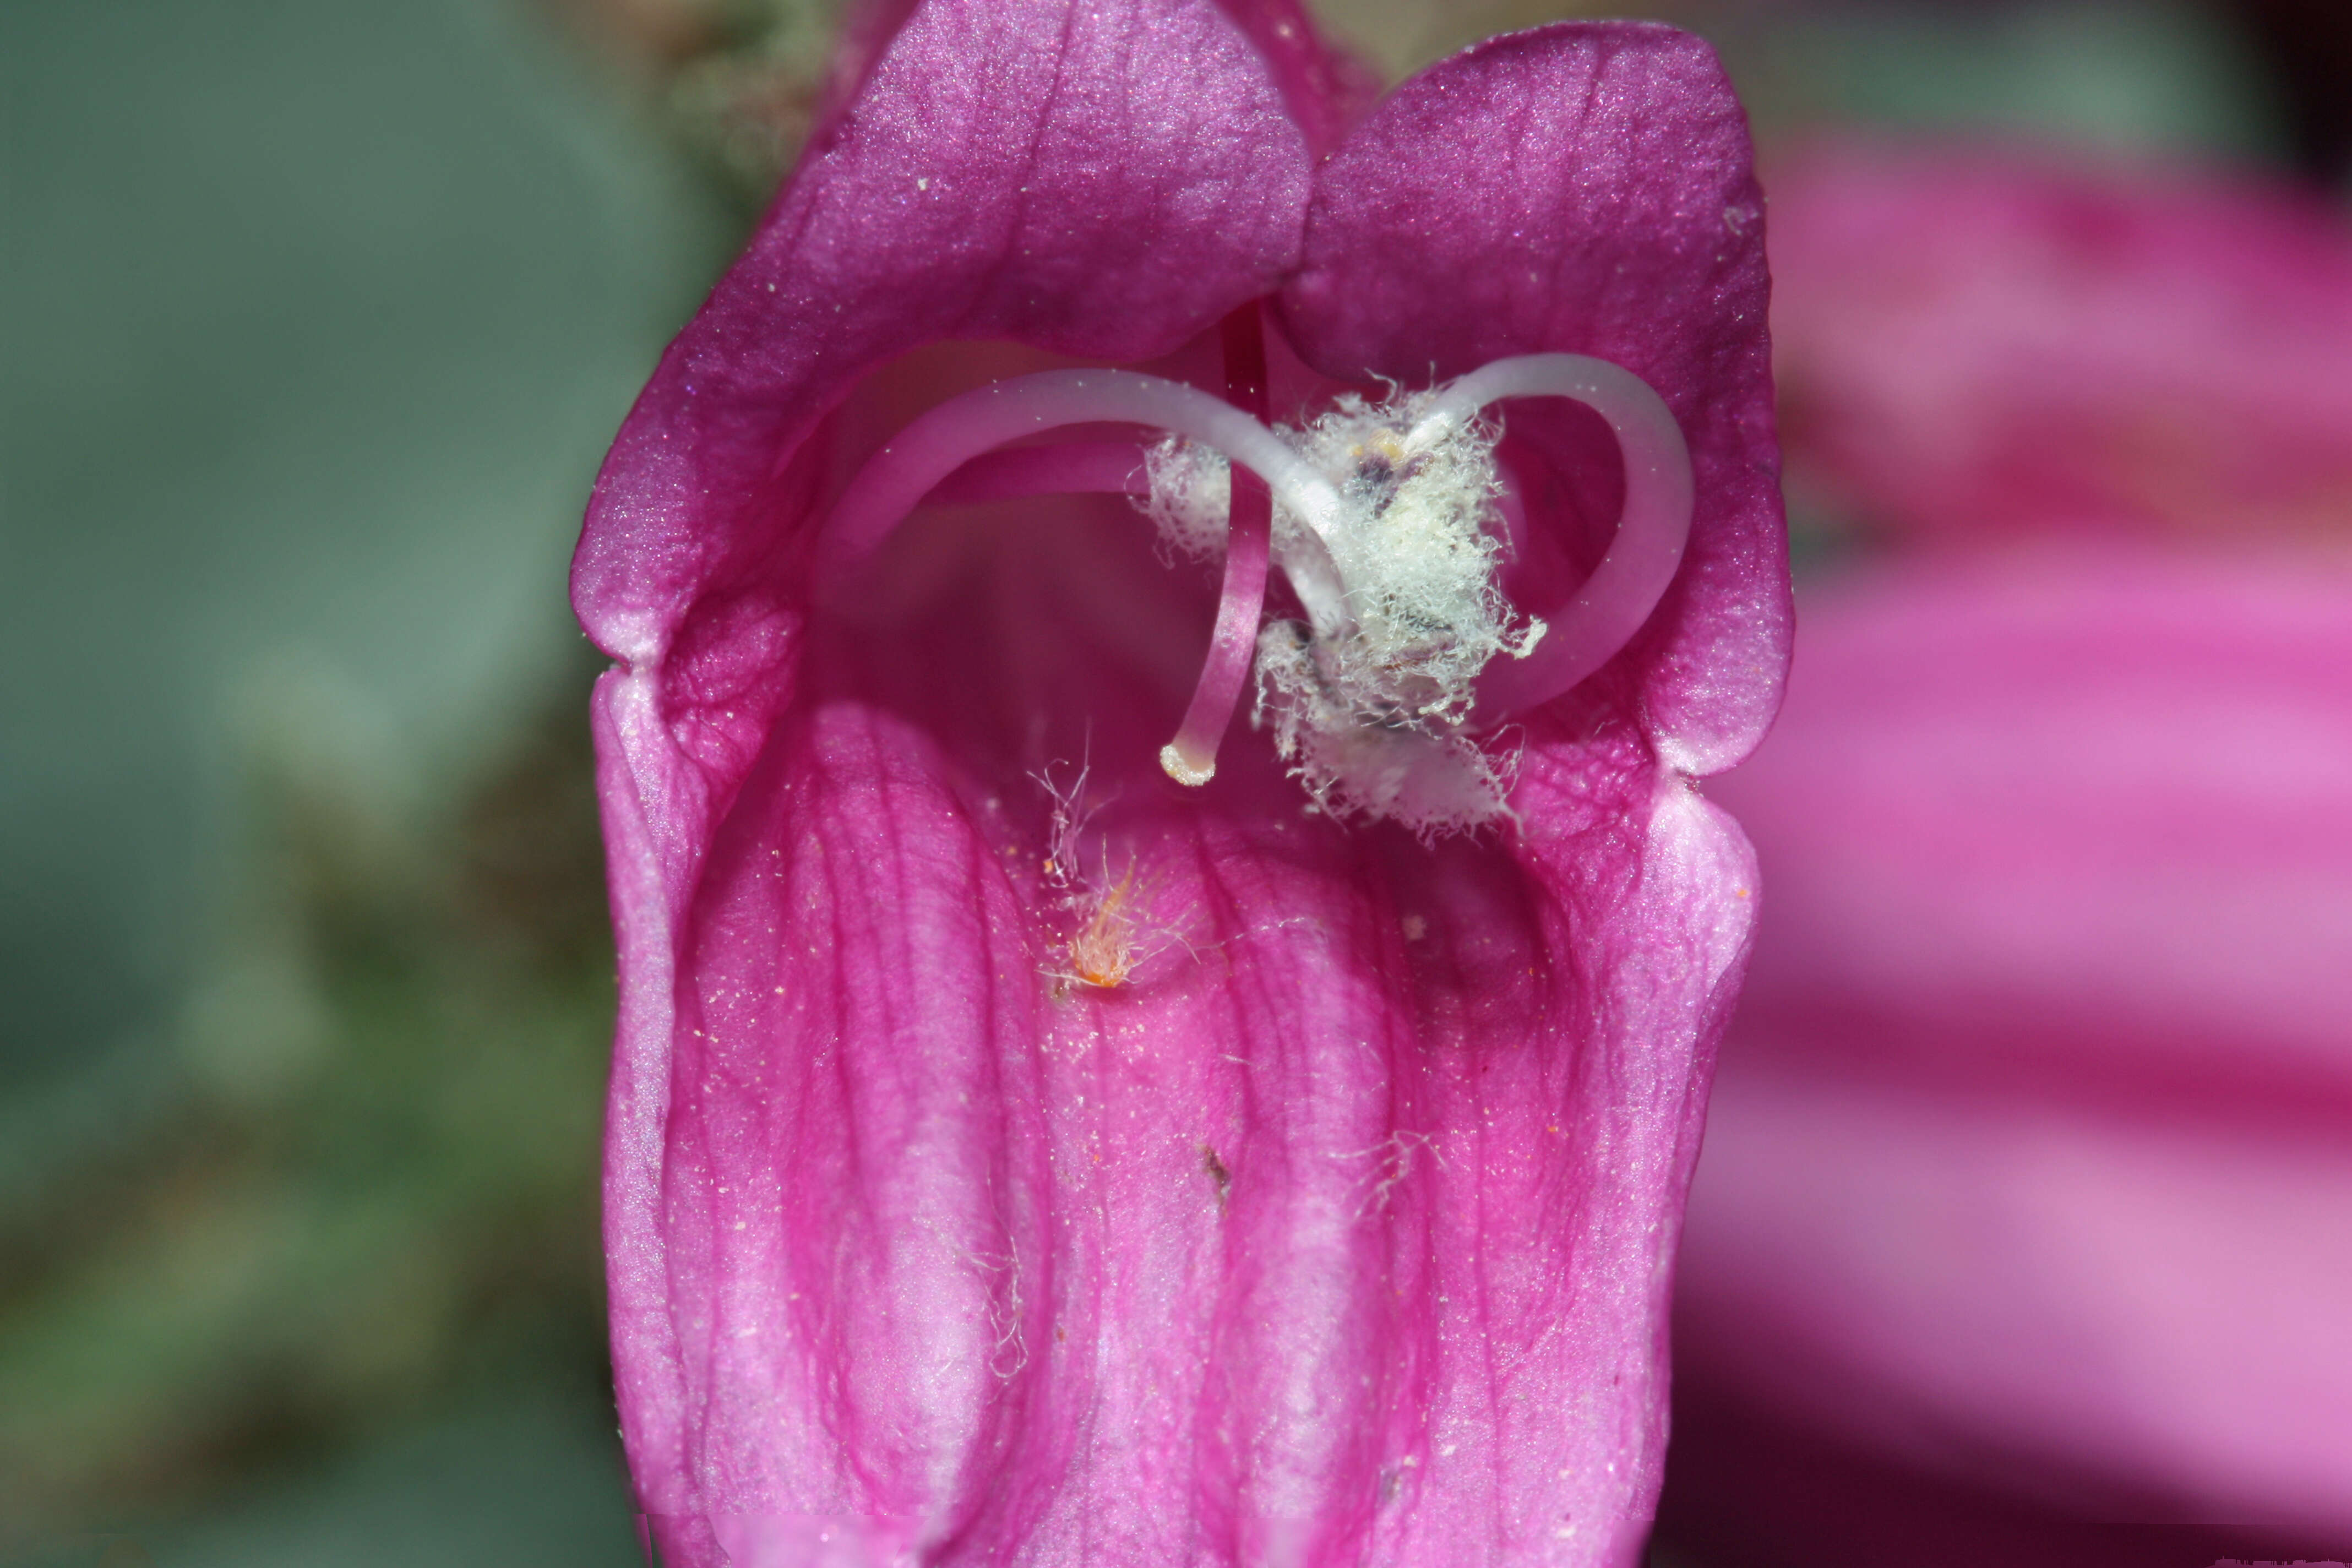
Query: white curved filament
x,y
895,478
1653,531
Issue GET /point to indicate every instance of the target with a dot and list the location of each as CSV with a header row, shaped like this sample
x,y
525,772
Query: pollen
x,y
1102,952
1373,719
1107,941
1372,715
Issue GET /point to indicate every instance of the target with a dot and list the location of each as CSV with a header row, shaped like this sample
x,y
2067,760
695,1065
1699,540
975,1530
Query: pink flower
x,y
1014,1154
1971,344
2025,1194
2030,1160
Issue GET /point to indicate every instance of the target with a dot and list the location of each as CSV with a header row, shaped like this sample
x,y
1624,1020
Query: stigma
x,y
1391,522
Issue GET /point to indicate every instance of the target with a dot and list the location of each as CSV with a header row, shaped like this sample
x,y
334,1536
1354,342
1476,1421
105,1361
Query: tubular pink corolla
x,y
1610,607
898,476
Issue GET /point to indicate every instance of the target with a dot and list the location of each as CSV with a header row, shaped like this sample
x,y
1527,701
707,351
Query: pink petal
x,y
968,193
2078,1307
1324,89
1327,89
1341,1229
1971,343
1340,1236
1583,188
2029,1160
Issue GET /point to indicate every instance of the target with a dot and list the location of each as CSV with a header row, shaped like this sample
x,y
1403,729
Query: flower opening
x,y
1390,522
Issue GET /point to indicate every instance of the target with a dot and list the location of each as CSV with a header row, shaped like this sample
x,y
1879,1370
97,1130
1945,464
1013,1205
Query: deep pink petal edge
x,y
1585,188
966,193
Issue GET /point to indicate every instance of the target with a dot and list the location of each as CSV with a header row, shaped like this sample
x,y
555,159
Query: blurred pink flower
x,y
2027,1194
1971,343
2030,1158
1012,1155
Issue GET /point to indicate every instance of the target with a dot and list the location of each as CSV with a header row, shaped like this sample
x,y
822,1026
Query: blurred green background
x,y
317,319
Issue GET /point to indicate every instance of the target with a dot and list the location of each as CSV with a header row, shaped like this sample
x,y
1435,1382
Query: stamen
x,y
1191,757
897,478
1652,532
1391,522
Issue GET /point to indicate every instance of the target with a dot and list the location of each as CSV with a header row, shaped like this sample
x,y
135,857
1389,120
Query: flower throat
x,y
1391,522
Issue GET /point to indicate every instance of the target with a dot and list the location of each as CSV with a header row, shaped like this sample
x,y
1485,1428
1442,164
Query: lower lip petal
x,y
1341,1233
